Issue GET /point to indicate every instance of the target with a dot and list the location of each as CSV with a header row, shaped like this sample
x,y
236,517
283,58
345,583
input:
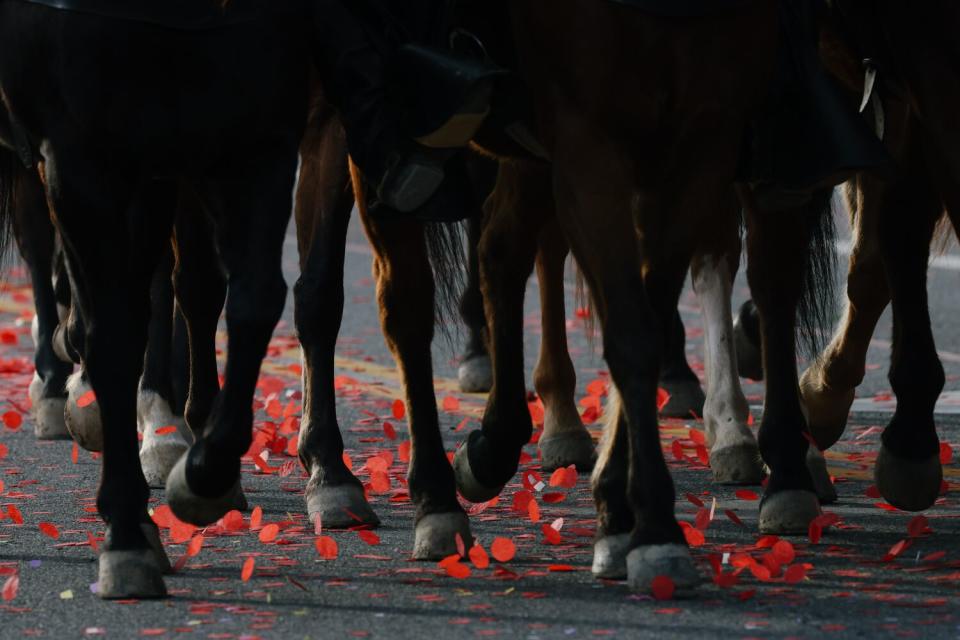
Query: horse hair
x,y
8,180
445,248
817,305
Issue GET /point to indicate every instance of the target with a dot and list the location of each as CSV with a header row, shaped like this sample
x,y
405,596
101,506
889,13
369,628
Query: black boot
x,y
811,135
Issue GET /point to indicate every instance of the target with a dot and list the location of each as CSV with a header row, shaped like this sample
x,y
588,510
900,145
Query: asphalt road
x,y
841,587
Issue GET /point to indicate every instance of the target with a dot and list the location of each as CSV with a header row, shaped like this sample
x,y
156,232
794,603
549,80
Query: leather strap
x,y
187,15
686,8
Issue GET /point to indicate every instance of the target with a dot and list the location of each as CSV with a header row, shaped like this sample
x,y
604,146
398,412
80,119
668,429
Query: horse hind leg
x,y
165,434
405,292
828,384
677,378
475,373
36,238
251,209
324,201
564,441
516,212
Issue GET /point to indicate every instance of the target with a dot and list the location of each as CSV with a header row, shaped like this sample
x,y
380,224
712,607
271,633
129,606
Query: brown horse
x,y
894,221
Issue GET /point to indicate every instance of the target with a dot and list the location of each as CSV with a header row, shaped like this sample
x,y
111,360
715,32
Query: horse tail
x,y
9,169
817,305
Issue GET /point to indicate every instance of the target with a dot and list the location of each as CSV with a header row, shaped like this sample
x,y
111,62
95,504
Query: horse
x,y
112,163
894,222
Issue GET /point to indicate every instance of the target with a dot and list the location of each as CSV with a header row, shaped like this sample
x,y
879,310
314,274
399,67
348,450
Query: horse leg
x,y
161,447
908,471
516,212
777,244
475,373
200,290
405,293
114,303
564,440
35,238
324,201
251,207
734,454
828,385
676,376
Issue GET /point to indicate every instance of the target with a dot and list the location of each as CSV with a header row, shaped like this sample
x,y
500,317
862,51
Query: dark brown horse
x,y
917,95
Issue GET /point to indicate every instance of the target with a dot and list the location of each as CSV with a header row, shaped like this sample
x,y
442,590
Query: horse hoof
x,y
475,374
152,534
746,344
435,535
565,449
468,485
737,464
817,465
130,574
788,512
610,556
48,418
197,510
83,423
910,485
159,451
647,562
340,506
826,409
686,399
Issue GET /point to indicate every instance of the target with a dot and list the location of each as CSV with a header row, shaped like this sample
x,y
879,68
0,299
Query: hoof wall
x,y
130,574
610,557
475,375
910,485
817,465
49,422
435,535
788,512
827,409
574,447
737,464
671,560
468,485
83,423
152,534
197,510
340,506
157,460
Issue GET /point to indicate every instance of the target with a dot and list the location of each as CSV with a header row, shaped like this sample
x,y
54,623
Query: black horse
x,y
120,113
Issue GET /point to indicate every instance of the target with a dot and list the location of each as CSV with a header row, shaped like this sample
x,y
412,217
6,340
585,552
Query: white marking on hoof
x,y
817,465
435,535
83,423
48,419
566,448
468,485
610,556
788,512
335,504
826,409
195,509
130,574
159,452
686,399
152,533
475,374
911,485
671,560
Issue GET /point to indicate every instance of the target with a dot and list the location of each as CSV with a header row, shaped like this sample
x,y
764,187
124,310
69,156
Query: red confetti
x,y
196,543
663,397
662,587
326,547
75,453
269,532
247,570
12,420
86,399
746,494
389,431
451,403
503,549
10,587
946,453
454,568
478,556
399,409
162,431
50,530
369,537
